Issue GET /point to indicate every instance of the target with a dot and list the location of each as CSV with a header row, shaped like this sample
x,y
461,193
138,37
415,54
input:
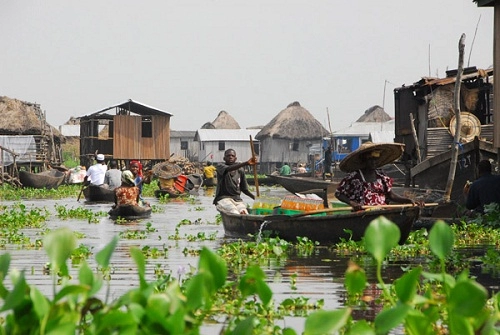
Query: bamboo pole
x,y
256,179
458,126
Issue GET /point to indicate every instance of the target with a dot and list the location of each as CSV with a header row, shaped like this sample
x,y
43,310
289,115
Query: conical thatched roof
x,y
294,123
222,121
22,118
374,114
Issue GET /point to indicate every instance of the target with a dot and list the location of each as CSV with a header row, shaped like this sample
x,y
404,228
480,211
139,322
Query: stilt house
x,y
133,131
288,138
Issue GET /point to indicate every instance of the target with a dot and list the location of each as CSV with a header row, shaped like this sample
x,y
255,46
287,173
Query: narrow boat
x,y
94,193
433,172
302,184
50,179
130,212
183,186
330,227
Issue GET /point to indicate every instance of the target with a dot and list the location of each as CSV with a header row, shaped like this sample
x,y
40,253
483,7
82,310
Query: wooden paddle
x,y
256,180
337,209
81,192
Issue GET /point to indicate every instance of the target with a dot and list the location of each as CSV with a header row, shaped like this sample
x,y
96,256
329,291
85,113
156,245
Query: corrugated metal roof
x,y
182,133
365,128
207,135
132,106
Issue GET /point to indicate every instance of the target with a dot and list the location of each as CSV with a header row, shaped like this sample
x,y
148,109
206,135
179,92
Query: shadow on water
x,y
183,227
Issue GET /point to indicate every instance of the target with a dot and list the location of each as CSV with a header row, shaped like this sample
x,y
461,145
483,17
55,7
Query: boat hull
x,y
98,194
130,212
50,179
323,229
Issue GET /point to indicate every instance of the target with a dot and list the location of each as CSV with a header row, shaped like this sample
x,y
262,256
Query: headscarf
x,y
138,163
128,178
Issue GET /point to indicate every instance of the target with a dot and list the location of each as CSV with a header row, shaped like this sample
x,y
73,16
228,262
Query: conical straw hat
x,y
389,152
470,126
166,170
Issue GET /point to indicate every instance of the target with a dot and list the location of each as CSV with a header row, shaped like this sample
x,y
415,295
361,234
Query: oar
x,y
337,209
81,191
254,169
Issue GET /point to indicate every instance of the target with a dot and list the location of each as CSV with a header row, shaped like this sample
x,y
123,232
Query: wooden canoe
x,y
433,172
50,179
329,228
94,193
130,212
302,184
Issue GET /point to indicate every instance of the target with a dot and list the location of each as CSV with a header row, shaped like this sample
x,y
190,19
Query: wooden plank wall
x,y
129,143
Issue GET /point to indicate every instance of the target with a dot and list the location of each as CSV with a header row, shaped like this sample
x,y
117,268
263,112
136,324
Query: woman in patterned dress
x,y
365,185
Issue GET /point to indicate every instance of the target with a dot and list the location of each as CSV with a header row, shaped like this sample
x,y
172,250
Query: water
x,y
316,277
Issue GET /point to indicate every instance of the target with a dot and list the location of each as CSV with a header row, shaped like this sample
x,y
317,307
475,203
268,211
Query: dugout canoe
x,y
50,179
94,193
130,212
328,228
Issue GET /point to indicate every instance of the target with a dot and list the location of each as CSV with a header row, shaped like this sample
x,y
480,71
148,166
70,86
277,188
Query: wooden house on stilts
x,y
132,131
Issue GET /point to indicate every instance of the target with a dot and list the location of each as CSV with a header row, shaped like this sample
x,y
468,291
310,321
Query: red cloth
x,y
139,173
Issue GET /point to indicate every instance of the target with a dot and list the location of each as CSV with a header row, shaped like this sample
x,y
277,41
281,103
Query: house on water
x,y
288,138
26,139
133,131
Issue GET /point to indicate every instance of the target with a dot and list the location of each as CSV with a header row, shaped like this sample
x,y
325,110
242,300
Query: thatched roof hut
x,y
374,114
24,118
293,123
222,121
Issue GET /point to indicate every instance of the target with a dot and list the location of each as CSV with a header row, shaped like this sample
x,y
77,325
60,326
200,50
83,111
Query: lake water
x,y
319,276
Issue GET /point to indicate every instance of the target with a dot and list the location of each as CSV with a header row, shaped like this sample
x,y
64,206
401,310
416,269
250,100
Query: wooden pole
x,y
456,139
415,138
256,179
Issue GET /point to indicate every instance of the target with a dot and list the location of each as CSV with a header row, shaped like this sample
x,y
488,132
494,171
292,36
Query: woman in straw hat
x,y
365,185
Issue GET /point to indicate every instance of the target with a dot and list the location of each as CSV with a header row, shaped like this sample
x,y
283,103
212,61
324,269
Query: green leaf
x,y
71,290
390,318
467,298
104,256
417,323
87,277
326,322
195,292
17,295
215,265
441,239
4,270
361,328
59,245
253,282
244,327
140,261
381,236
41,304
406,285
355,279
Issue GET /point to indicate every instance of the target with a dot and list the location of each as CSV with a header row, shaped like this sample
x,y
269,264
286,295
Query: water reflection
x,y
318,276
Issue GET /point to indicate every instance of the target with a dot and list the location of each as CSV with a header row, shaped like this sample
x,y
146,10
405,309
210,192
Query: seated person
x,y
484,190
127,194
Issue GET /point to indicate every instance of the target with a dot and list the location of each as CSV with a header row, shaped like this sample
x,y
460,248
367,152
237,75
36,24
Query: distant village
x,y
424,122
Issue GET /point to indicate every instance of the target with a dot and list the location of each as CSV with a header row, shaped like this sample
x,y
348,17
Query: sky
x,y
195,58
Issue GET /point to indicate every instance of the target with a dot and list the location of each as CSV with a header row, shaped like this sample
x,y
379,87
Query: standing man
x,y
113,177
231,182
327,163
96,172
484,190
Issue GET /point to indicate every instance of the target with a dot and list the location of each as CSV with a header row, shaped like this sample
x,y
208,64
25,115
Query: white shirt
x,y
96,173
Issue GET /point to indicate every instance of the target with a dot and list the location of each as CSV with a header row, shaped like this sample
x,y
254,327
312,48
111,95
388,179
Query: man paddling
x,y
231,182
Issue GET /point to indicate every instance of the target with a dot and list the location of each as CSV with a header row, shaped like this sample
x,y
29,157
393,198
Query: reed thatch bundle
x,y
294,123
222,121
374,114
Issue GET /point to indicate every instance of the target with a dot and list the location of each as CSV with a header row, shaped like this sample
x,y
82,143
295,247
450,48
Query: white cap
x,y
100,157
